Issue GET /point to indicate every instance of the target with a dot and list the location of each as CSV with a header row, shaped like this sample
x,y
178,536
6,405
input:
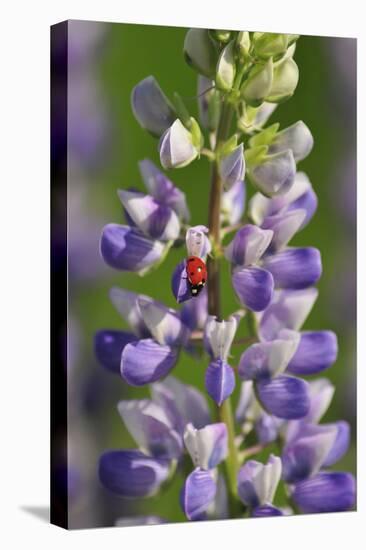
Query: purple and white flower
x,y
151,350
218,337
176,147
207,447
154,222
151,107
252,284
150,359
163,190
301,196
257,483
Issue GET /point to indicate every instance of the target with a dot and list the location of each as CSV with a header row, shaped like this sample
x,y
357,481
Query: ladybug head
x,y
196,289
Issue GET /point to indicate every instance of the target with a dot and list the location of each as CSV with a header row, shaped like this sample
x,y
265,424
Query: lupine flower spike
x,y
242,79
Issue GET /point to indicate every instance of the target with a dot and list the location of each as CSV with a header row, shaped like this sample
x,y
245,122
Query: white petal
x,y
197,242
201,444
220,335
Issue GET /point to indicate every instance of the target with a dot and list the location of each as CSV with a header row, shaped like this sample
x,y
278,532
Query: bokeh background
x,y
105,144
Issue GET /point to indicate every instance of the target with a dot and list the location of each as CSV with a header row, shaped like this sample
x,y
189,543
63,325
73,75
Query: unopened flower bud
x,y
243,44
176,147
232,167
200,52
151,107
268,44
221,35
258,85
275,174
296,137
226,68
285,79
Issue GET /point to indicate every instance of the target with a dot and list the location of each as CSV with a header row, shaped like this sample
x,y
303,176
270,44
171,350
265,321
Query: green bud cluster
x,y
249,67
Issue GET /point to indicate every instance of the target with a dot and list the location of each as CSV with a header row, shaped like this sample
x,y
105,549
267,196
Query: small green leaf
x,y
182,110
255,155
197,137
228,146
265,137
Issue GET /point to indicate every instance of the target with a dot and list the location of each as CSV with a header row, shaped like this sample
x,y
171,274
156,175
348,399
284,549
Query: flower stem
x,y
214,302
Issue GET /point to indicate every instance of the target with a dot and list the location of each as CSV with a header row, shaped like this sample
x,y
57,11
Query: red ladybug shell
x,y
196,271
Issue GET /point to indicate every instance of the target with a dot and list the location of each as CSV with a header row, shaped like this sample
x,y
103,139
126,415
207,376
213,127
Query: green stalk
x,y
224,412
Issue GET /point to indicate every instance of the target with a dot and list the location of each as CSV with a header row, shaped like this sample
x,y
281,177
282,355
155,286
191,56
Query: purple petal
x,y
207,446
303,457
284,396
151,107
163,190
198,493
326,492
183,403
156,220
316,352
248,245
151,428
163,323
233,203
108,346
341,444
307,202
295,268
194,312
276,174
254,287
219,381
266,511
288,309
125,248
232,167
267,359
180,285
130,473
146,361
175,147
284,227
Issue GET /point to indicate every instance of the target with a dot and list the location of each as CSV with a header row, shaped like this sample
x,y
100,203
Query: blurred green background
x,y
325,100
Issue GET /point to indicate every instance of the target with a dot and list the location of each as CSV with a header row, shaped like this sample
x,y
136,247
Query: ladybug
x,y
196,273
